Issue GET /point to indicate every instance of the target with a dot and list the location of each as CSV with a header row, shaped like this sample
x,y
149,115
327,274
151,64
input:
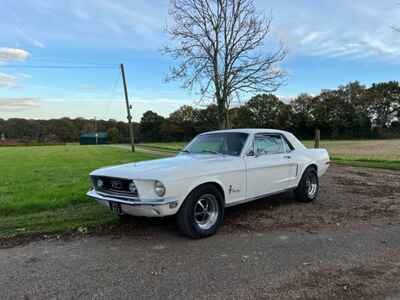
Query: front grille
x,y
112,185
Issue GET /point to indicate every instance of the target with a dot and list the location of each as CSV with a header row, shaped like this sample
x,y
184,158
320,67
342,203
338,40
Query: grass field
x,y
43,188
364,153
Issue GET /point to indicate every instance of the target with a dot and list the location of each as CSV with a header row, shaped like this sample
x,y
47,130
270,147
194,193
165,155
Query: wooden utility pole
x,y
317,138
128,109
95,130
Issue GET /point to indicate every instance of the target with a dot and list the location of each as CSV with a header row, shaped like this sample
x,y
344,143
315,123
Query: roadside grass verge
x,y
368,163
166,147
380,150
43,189
80,216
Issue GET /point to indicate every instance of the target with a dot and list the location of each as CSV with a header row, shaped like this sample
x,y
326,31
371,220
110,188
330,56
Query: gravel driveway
x,y
345,245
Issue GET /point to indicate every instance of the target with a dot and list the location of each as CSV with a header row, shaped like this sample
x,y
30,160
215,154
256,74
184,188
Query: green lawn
x,y
43,188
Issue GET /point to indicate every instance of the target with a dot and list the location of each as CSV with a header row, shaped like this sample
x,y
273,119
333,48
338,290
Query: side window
x,y
288,146
269,144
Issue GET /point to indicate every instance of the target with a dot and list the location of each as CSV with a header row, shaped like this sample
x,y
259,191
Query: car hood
x,y
180,166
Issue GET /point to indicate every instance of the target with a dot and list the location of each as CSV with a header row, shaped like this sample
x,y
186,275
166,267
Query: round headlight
x,y
132,187
99,183
159,188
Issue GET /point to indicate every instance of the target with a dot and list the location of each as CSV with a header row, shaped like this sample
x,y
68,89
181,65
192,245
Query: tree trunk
x,y
221,113
227,119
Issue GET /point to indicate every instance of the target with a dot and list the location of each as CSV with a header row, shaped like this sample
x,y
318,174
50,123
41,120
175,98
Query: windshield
x,y
229,143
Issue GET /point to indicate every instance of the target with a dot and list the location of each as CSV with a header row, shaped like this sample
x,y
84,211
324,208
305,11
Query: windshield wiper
x,y
185,151
210,151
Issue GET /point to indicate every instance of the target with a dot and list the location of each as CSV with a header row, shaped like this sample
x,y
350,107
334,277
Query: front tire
x,y
124,219
308,188
202,212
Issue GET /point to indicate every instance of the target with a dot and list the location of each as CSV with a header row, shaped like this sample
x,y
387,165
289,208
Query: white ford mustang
x,y
216,170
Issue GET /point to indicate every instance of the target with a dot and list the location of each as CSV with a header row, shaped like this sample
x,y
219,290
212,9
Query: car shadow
x,y
236,218
265,203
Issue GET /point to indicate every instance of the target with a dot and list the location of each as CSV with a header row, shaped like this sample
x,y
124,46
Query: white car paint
x,y
241,178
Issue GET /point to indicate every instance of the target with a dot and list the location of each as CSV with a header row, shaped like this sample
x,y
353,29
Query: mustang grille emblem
x,y
115,184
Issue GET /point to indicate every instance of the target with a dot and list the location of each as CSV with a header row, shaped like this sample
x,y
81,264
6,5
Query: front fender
x,y
186,186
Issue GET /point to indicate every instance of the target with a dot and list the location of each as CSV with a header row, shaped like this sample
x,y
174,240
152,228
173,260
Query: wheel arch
x,y
214,183
311,165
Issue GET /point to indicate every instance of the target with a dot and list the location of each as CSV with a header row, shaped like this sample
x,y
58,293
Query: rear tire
x,y
308,188
201,213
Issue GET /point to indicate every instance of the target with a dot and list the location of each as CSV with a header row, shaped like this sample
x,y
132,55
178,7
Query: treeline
x,y
350,111
64,130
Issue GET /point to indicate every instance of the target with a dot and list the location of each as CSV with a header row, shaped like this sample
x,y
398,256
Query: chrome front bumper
x,y
137,206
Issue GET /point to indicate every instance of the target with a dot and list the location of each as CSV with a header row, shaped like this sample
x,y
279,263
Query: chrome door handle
x,y
287,156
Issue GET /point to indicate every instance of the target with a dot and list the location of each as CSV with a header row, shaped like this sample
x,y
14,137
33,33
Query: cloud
x,y
10,81
24,75
96,23
30,39
18,104
340,29
7,80
12,54
37,43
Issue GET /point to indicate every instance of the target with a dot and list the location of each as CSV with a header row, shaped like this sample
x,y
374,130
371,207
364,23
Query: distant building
x,y
99,138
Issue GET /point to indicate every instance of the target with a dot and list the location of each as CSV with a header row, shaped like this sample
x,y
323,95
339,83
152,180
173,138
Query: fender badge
x,y
232,190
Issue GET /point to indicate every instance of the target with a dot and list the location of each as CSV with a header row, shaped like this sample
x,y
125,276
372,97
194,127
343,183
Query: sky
x,y
330,43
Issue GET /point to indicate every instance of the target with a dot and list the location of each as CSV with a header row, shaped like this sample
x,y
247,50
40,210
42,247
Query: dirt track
x,y
348,196
345,245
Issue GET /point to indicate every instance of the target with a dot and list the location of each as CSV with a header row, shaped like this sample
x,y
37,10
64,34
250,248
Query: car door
x,y
269,165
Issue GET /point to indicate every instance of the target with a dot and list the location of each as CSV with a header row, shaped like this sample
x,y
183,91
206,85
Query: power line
x,y
86,98
58,67
67,60
112,93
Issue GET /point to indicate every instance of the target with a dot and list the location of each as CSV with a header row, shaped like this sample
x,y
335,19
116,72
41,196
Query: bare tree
x,y
219,46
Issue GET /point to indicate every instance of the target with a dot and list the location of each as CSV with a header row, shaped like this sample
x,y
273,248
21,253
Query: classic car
x,y
214,171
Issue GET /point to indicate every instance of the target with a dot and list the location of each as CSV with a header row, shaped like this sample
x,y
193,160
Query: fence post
x,y
317,138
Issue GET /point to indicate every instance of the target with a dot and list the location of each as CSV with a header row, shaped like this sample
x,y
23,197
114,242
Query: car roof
x,y
248,131
290,137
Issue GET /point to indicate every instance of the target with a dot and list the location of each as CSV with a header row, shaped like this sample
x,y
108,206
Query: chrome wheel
x,y
311,185
206,211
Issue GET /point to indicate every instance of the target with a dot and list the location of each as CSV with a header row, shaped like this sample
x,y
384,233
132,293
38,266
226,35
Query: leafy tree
x,y
265,111
113,135
183,120
242,117
206,119
172,131
150,127
356,115
303,116
384,106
